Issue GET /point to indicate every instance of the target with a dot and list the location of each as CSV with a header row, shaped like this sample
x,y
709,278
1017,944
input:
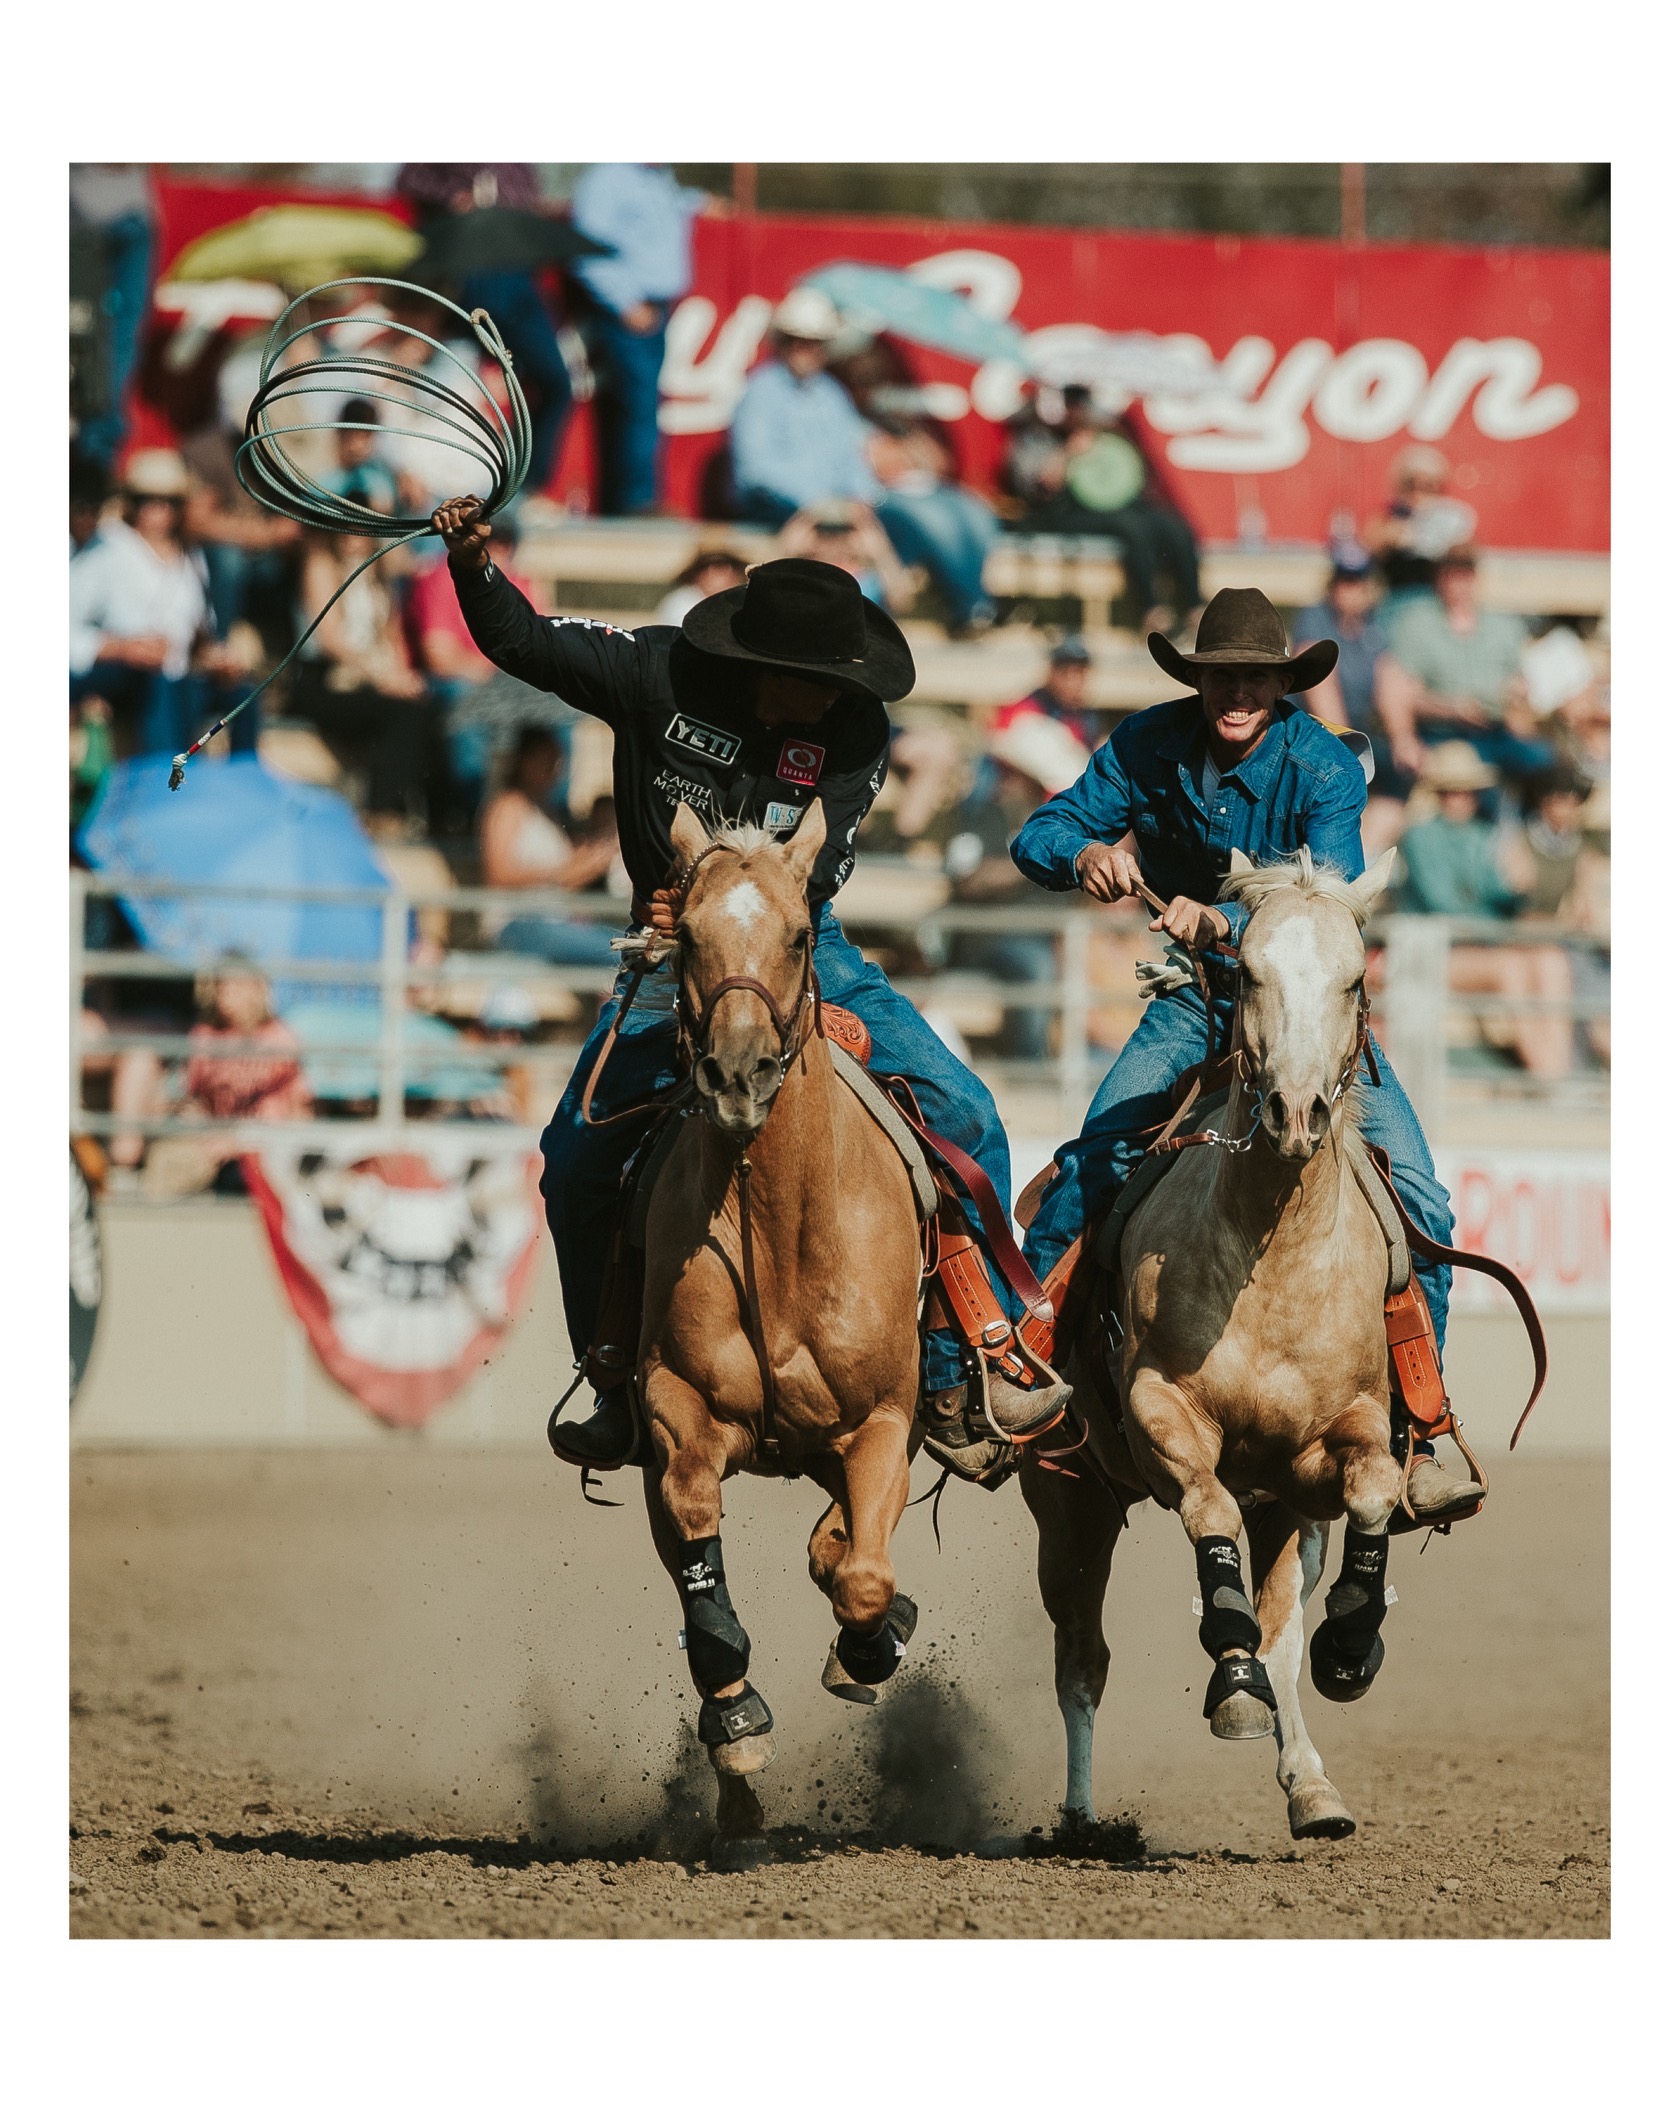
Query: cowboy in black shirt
x,y
770,696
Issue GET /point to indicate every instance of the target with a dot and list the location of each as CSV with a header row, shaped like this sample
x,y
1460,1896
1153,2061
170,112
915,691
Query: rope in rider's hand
x,y
468,419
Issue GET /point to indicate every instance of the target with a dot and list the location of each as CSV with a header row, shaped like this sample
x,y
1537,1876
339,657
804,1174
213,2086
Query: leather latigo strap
x,y
1463,1259
1001,1244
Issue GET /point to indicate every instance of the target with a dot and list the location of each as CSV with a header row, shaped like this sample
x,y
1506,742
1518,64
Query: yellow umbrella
x,y
298,246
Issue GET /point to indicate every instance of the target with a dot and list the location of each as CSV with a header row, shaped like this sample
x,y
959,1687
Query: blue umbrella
x,y
887,302
244,824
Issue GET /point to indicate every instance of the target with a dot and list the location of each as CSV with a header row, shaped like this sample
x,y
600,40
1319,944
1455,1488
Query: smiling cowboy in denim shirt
x,y
1163,803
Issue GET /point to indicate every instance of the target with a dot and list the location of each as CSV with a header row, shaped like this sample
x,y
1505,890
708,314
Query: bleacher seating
x,y
620,569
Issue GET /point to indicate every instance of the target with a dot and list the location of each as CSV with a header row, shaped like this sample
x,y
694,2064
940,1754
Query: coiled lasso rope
x,y
470,421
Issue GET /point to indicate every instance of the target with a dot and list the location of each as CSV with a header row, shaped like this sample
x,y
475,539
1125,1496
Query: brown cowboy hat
x,y
1244,627
810,618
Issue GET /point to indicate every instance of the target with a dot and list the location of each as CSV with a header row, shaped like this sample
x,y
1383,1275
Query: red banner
x,y
1274,380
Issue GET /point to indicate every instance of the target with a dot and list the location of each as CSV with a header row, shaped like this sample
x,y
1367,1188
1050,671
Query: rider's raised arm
x,y
1097,807
590,663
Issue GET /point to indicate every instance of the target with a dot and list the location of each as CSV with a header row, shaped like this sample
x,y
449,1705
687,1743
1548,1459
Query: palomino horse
x,y
1252,1364
779,1313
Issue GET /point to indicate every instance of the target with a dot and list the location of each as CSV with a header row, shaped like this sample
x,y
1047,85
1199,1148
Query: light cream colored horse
x,y
1252,1366
779,1323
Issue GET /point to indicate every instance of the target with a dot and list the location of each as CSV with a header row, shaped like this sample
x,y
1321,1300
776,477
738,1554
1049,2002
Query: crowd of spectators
x,y
1488,744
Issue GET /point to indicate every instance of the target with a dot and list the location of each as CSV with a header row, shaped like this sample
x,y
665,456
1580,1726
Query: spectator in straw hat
x,y
140,626
1455,863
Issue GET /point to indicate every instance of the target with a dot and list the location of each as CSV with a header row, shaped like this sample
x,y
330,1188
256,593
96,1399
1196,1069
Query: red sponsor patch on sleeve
x,y
800,763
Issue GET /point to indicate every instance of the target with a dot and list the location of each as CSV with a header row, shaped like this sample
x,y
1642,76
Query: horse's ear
x,y
807,843
688,835
1240,863
1367,889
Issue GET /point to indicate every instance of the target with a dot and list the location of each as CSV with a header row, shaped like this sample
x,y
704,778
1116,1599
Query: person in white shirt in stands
x,y
140,628
798,441
522,848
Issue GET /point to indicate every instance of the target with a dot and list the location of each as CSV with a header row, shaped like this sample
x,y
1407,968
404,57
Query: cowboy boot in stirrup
x,y
606,1439
1436,1496
963,1440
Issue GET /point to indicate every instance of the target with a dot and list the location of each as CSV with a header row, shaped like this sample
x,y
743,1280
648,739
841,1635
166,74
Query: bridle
x,y
694,1021
1241,1078
660,920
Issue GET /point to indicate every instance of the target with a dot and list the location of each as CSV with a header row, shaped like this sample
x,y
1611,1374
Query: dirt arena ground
x,y
414,1693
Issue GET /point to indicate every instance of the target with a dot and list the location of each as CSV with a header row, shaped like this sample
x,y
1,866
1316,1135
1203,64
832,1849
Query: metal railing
x,y
1414,1009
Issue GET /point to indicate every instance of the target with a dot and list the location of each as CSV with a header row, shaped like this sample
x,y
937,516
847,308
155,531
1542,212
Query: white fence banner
x,y
1545,1212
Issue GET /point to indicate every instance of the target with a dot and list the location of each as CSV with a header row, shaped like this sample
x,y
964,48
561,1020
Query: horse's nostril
x,y
1276,1114
1318,1118
709,1075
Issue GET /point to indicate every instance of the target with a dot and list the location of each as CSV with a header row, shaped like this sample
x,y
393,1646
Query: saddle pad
x,y
879,1106
1144,1178
663,1139
1399,1255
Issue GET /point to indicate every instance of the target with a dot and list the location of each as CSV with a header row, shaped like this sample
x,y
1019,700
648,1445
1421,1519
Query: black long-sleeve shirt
x,y
684,730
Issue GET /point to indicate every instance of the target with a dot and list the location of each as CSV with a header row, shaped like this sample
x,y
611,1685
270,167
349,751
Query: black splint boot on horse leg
x,y
1346,1649
1240,1702
735,1720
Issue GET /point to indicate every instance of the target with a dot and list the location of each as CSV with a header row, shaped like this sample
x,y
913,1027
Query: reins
x,y
660,919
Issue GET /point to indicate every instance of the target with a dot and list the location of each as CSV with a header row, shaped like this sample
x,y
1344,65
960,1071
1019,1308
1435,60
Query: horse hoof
x,y
1316,1811
839,1681
747,1755
1240,1715
731,1852
1342,1678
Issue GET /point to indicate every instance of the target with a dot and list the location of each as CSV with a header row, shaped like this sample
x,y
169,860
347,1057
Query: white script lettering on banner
x,y
1544,1212
1243,414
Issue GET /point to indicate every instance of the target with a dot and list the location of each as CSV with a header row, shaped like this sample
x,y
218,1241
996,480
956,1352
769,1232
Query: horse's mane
x,y
1296,872
742,839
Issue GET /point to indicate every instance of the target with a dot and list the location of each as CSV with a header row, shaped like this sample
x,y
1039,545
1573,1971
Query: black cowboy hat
x,y
809,618
1244,627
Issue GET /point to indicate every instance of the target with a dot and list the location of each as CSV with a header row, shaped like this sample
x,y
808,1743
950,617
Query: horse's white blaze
x,y
744,904
1299,981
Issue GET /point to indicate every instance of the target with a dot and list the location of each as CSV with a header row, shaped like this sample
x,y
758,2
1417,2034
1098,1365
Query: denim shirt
x,y
1299,787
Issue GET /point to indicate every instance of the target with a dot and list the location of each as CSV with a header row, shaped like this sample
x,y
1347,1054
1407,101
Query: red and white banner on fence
x,y
407,1270
1545,1213
1288,373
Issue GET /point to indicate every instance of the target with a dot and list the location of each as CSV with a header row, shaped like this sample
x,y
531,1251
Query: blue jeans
x,y
560,941
582,1164
1496,746
513,302
1137,1096
168,713
627,369
1018,959
127,244
949,533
